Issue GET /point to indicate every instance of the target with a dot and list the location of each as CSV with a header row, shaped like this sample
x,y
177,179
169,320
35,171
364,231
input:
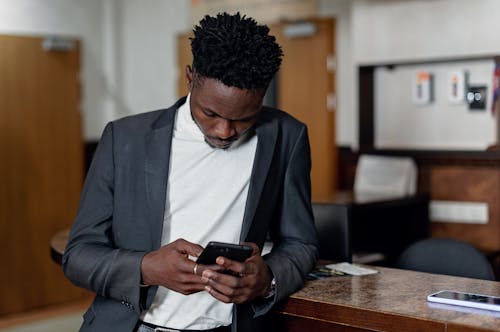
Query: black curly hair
x,y
235,50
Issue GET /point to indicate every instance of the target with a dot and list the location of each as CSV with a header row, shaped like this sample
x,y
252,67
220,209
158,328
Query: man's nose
x,y
225,129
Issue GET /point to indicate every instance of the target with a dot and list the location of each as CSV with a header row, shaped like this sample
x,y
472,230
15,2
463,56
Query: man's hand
x,y
247,280
171,267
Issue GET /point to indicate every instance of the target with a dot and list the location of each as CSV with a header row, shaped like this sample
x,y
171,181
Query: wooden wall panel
x,y
469,184
41,171
450,176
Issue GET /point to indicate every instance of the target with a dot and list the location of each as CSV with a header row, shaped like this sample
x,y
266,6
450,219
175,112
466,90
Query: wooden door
x,y
41,168
305,82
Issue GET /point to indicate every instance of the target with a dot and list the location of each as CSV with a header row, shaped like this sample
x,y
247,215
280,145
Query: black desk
x,y
375,223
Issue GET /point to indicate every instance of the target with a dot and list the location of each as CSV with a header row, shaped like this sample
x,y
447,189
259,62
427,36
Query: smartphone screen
x,y
237,252
466,299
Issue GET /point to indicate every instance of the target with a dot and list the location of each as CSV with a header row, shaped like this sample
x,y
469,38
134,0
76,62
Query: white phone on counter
x,y
471,300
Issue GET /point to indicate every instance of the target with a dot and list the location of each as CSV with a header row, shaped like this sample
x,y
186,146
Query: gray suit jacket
x,y
120,217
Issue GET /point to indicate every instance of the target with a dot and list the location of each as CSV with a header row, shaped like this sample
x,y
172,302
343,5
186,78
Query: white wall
x,y
128,55
128,60
388,30
148,52
400,123
391,30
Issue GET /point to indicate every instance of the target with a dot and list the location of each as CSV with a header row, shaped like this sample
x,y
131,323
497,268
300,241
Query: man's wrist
x,y
144,268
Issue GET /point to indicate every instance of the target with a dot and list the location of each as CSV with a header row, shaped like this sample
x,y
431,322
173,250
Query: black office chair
x,y
446,256
332,223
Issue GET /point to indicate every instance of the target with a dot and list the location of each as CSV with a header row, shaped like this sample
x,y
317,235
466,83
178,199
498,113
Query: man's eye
x,y
209,114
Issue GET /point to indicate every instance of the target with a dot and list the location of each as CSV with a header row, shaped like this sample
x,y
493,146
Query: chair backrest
x,y
385,176
332,223
446,256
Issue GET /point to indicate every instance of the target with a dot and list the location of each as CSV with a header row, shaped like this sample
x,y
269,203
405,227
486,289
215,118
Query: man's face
x,y
223,113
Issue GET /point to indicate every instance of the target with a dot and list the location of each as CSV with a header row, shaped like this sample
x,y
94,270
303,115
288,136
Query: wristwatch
x,y
272,289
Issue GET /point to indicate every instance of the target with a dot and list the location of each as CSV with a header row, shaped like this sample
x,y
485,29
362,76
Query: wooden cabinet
x,y
304,84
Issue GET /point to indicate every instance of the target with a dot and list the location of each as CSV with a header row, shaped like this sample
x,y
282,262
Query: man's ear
x,y
189,77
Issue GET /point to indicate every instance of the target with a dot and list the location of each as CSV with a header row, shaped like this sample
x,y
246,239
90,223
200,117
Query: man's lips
x,y
220,143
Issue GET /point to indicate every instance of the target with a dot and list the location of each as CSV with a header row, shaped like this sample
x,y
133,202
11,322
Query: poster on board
x,y
422,89
456,86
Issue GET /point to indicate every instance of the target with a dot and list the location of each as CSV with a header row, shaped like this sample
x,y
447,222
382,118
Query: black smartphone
x,y
236,252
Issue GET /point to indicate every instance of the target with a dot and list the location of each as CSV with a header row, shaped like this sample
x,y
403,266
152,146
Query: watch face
x,y
272,290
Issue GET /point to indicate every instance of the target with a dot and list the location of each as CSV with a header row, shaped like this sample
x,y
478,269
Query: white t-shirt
x,y
206,195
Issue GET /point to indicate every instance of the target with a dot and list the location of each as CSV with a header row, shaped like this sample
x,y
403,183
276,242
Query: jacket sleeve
x,y
91,260
295,250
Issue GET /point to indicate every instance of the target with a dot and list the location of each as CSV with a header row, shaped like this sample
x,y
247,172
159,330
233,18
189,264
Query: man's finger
x,y
189,248
236,267
217,295
213,267
254,246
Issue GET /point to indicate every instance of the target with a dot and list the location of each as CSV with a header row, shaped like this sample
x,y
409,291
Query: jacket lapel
x,y
267,132
158,146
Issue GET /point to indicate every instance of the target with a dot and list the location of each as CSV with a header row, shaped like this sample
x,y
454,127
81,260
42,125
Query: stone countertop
x,y
394,300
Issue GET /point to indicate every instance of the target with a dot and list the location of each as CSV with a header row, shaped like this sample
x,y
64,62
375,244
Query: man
x,y
216,166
